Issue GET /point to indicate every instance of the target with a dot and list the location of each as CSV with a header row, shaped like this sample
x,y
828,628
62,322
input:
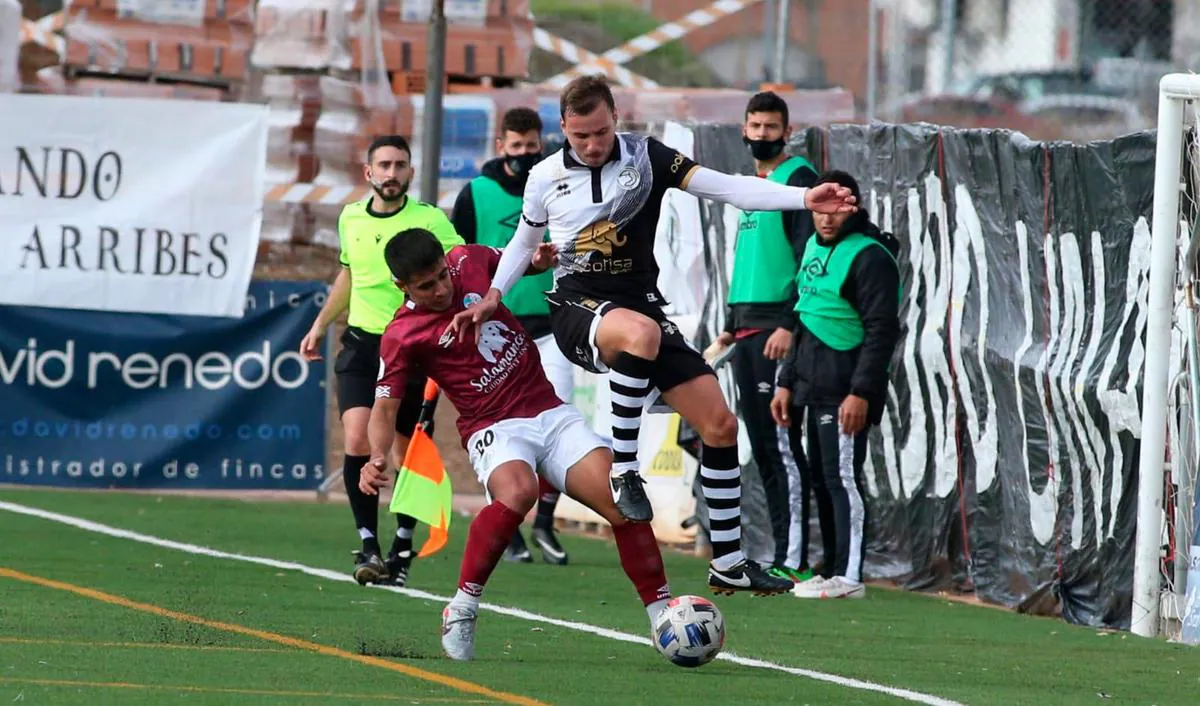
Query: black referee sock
x,y
628,382
402,543
721,481
365,507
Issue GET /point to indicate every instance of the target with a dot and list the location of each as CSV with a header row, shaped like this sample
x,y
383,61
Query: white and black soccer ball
x,y
690,631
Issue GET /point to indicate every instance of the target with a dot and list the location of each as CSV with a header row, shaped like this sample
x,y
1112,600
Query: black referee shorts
x,y
357,369
574,320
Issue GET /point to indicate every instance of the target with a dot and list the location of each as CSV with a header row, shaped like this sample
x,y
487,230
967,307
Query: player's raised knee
x,y
626,331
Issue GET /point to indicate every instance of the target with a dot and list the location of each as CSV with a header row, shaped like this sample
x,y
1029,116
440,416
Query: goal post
x,y
1175,92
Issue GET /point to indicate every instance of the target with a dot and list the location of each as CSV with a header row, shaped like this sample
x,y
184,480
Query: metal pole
x,y
896,81
768,40
872,58
332,478
1185,459
1185,513
431,125
948,30
781,39
1168,160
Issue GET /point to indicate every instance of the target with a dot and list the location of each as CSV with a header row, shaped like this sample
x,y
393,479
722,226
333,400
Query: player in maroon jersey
x,y
510,420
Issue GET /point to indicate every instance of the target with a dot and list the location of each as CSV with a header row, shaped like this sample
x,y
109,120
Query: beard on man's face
x,y
391,189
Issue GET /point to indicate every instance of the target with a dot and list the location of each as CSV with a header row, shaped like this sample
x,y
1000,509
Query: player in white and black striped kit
x,y
600,199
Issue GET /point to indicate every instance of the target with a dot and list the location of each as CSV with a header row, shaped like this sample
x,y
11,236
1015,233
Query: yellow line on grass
x,y
230,690
434,677
142,645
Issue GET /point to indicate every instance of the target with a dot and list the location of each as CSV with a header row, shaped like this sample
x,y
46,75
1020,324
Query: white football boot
x,y
458,632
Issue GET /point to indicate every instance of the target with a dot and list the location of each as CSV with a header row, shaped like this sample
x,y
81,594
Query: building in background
x,y
826,47
1094,64
995,37
1049,47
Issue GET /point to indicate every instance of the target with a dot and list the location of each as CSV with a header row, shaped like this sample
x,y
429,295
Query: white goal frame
x,y
1174,92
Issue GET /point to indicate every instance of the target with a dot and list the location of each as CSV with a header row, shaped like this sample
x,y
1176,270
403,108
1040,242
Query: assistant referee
x,y
364,286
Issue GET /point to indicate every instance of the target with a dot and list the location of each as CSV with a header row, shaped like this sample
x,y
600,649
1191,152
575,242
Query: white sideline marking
x,y
88,525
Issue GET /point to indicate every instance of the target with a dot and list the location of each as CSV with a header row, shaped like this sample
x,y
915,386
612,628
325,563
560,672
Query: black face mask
x,y
521,164
765,150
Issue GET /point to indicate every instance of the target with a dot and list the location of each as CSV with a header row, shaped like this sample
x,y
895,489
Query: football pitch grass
x,y
272,618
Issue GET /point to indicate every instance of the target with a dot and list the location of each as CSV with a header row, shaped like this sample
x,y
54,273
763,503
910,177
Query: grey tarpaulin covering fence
x,y
1007,459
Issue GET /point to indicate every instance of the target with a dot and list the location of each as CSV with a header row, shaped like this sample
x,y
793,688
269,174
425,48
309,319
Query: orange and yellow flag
x,y
423,487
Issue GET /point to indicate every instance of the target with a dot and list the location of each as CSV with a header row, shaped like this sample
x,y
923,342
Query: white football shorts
x,y
550,443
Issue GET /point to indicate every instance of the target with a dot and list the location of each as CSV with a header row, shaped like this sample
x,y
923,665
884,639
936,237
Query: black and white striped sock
x,y
628,383
721,481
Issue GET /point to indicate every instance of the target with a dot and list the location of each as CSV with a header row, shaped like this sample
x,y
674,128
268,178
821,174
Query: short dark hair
x,y
521,121
396,141
412,252
584,94
768,102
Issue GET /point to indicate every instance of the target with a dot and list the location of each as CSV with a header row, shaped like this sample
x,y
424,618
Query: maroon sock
x,y
642,561
491,531
546,491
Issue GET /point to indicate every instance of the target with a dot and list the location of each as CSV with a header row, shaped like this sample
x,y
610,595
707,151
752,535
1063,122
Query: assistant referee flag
x,y
423,487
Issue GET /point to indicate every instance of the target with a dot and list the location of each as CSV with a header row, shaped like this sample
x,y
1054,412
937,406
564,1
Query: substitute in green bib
x,y
759,320
486,212
847,328
364,286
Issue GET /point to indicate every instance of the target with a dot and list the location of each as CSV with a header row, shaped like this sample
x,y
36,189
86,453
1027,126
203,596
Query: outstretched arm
x,y
674,170
753,194
747,193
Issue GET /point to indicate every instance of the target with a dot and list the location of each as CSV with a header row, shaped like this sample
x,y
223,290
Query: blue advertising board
x,y
548,111
466,136
115,400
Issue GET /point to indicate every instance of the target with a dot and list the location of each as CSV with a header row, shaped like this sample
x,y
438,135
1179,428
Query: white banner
x,y
10,45
123,204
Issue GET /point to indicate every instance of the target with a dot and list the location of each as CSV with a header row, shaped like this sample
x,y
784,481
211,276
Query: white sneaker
x,y
458,632
836,587
810,588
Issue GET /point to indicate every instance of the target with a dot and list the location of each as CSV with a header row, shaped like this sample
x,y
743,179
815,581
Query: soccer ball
x,y
690,631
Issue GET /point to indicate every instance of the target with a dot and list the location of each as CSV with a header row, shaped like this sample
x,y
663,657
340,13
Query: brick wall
x,y
840,34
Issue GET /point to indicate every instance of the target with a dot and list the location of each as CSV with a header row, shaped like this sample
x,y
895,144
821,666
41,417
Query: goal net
x,y
1166,590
